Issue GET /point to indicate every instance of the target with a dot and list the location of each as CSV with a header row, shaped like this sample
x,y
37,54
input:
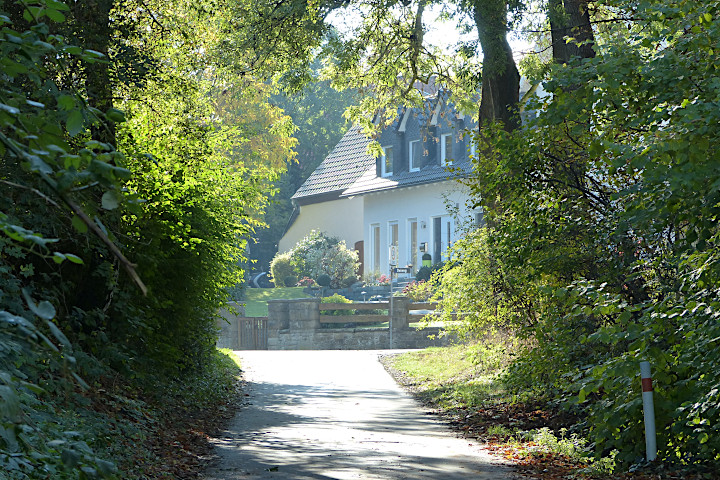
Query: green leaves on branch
x,y
604,218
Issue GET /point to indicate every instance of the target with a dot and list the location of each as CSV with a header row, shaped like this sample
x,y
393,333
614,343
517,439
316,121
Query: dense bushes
x,y
120,233
316,255
281,268
603,247
336,298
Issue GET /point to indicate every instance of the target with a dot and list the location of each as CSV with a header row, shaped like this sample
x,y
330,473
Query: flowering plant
x,y
306,282
418,291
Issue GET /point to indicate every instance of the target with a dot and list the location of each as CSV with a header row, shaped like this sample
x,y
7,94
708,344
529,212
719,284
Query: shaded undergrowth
x,y
464,384
156,427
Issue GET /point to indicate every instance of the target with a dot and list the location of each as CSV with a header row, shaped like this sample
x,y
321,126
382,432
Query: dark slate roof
x,y
370,182
345,164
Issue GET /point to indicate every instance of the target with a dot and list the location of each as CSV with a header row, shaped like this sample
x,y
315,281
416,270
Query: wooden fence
x,y
428,307
253,333
354,318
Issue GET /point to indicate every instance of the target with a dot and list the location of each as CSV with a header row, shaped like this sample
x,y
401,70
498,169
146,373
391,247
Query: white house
x,y
405,203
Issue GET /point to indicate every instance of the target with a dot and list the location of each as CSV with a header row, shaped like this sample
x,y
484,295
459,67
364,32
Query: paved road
x,y
338,415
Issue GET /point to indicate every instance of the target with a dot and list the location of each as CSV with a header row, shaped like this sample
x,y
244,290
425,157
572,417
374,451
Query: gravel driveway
x,y
338,415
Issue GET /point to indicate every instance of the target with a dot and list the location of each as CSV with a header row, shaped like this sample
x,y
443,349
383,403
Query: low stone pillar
x,y
278,316
304,314
399,308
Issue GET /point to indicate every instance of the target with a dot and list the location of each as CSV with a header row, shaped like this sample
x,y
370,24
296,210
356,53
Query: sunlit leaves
x,y
609,205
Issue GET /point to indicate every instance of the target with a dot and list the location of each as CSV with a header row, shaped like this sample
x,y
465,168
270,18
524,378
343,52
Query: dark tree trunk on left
x,y
93,29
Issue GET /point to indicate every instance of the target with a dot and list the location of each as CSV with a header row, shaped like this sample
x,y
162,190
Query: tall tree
x,y
387,54
500,76
317,113
571,29
607,230
95,202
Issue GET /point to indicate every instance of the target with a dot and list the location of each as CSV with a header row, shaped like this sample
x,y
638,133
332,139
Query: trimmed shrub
x,y
280,268
336,298
290,280
349,282
323,280
423,275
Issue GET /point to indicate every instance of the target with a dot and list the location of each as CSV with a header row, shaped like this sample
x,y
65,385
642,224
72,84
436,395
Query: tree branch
x,y
129,266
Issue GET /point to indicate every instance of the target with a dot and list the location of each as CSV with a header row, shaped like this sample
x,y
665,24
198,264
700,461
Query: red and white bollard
x,y
649,410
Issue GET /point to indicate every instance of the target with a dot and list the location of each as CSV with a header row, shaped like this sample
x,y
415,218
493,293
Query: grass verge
x,y
463,384
256,298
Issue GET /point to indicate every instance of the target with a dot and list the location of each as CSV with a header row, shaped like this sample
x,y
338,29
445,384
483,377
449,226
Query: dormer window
x,y
386,161
446,149
414,150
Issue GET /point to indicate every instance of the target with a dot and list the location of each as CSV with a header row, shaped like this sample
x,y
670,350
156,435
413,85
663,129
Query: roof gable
x,y
345,164
350,170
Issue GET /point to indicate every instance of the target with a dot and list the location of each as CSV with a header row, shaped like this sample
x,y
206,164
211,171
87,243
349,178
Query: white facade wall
x,y
422,203
339,218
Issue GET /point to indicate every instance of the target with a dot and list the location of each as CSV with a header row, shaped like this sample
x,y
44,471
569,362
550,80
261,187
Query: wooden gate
x,y
252,333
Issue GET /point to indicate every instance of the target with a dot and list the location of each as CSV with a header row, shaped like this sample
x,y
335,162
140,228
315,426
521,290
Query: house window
x,y
414,151
413,243
393,241
442,238
386,161
375,246
479,219
446,149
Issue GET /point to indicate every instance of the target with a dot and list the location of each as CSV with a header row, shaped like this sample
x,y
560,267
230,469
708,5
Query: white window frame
x,y
383,162
443,148
413,249
412,144
393,225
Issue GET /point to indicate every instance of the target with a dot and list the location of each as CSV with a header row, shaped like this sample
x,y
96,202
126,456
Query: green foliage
x,y
477,284
290,280
48,167
336,298
87,186
420,291
323,280
317,113
425,273
602,246
281,267
349,281
318,254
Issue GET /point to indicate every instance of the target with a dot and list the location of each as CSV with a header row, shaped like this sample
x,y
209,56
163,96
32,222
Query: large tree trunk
x,y
500,76
571,19
93,27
